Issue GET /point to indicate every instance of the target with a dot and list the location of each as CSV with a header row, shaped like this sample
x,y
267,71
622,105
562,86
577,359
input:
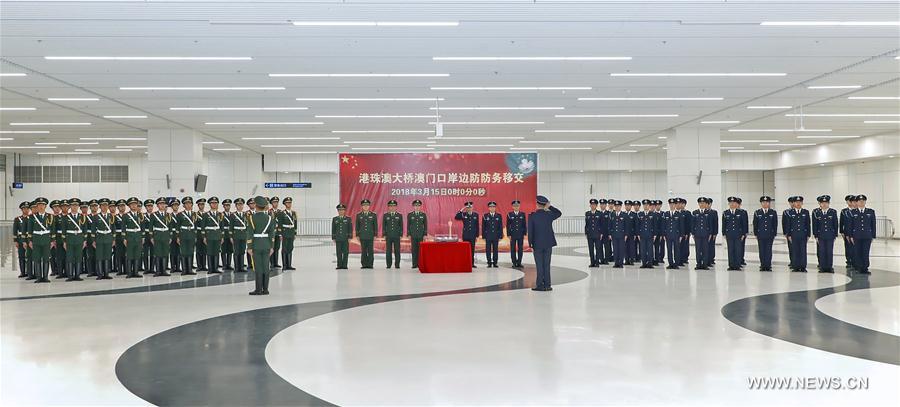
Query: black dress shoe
x,y
604,262
78,279
617,267
166,274
265,292
254,293
672,268
106,278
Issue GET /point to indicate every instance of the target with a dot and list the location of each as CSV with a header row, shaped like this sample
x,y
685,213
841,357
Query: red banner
x,y
442,181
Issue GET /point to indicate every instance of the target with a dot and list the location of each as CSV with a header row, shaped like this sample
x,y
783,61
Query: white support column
x,y
174,158
694,164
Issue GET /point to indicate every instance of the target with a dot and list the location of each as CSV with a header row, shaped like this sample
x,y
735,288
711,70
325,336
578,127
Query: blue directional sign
x,y
18,185
288,185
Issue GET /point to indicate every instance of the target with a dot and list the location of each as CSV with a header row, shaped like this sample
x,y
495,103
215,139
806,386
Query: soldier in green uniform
x,y
251,209
186,223
274,212
260,241
134,234
238,221
59,258
201,244
161,226
416,229
88,236
366,228
57,249
20,237
119,248
90,252
287,224
227,236
212,234
41,240
104,238
74,229
174,248
341,232
392,231
147,253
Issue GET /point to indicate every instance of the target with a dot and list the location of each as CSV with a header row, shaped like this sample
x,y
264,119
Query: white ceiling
x,y
660,36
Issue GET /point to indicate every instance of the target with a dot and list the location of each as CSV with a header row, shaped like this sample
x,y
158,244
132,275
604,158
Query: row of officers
x,y
103,237
629,232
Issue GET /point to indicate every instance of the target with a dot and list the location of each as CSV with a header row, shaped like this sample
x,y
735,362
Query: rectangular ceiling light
x,y
834,87
842,115
358,75
786,144
236,108
136,147
698,74
753,151
496,108
388,142
469,145
202,88
227,149
564,141
319,116
369,99
550,148
18,108
476,138
880,121
874,98
831,23
213,142
24,147
622,151
375,23
394,148
483,123
769,107
145,58
301,145
531,58
9,74
306,152
51,124
511,88
290,138
6,139
114,138
382,131
720,122
67,153
612,115
828,136
748,141
654,99
643,145
587,131
109,150
125,117
779,130
261,123
73,99
85,143
24,131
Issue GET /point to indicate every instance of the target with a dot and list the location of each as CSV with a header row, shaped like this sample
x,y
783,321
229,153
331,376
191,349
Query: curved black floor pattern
x,y
222,361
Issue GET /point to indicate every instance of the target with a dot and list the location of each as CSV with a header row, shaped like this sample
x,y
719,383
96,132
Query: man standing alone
x,y
542,239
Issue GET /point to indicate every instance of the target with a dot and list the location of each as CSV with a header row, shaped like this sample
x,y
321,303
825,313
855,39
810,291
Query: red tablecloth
x,y
445,257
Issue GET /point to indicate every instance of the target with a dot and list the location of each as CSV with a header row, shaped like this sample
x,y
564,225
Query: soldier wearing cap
x,y
492,232
251,209
341,233
631,246
134,233
211,234
592,223
186,223
392,232
687,219
57,254
711,250
366,229
161,228
103,239
73,227
542,239
274,211
704,227
174,259
795,223
227,236
862,232
825,231
645,233
20,237
119,248
147,264
260,242
844,226
765,228
201,245
735,226
416,229
620,232
91,267
671,225
516,225
605,224
287,224
40,230
469,219
659,245
238,223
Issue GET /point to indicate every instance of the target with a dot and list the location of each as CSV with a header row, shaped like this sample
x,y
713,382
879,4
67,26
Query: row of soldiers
x,y
101,237
629,234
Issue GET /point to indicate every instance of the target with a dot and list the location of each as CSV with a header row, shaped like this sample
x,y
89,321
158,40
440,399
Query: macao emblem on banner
x,y
442,181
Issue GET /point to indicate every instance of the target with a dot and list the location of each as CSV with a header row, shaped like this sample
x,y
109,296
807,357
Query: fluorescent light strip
x,y
50,124
76,58
18,108
6,139
531,58
318,116
511,88
550,148
66,153
8,74
643,145
135,147
469,145
769,107
880,121
786,144
828,136
301,145
86,143
720,122
24,147
834,87
262,123
236,108
587,131
779,130
842,115
654,99
73,99
496,108
306,152
748,141
753,151
874,98
213,142
108,150
375,23
394,148
622,151
383,131
564,141
290,138
358,75
483,123
389,142
202,88
476,138
612,115
125,117
662,137
226,149
24,131
369,99
697,74
114,138
831,23
731,148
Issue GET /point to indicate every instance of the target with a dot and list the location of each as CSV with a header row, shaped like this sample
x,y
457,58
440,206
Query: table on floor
x,y
445,257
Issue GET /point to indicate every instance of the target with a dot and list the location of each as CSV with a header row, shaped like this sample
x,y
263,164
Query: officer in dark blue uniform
x,y
862,230
542,239
765,228
470,222
735,228
825,230
796,227
844,226
687,223
659,241
646,232
671,229
704,227
492,232
620,232
711,251
604,230
631,246
592,222
515,231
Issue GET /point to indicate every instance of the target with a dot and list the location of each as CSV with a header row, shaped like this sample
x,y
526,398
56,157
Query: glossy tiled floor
x,y
603,336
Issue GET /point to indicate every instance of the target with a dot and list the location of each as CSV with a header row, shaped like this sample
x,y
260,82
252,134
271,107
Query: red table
x,y
445,257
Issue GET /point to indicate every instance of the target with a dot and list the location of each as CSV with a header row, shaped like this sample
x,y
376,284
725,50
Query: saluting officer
x,y
844,226
40,232
469,219
20,237
735,227
161,226
174,246
227,236
492,232
134,233
620,232
825,230
366,229
212,235
74,227
542,239
796,227
646,232
341,232
765,228
392,232
592,224
239,231
704,227
287,224
516,226
862,231
147,264
201,244
672,233
260,241
187,235
417,229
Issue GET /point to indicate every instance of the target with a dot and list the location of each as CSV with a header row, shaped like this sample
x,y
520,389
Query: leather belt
x,y
161,229
260,235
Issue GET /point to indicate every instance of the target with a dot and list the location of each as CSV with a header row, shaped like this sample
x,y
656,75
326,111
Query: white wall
x,y
570,191
749,186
